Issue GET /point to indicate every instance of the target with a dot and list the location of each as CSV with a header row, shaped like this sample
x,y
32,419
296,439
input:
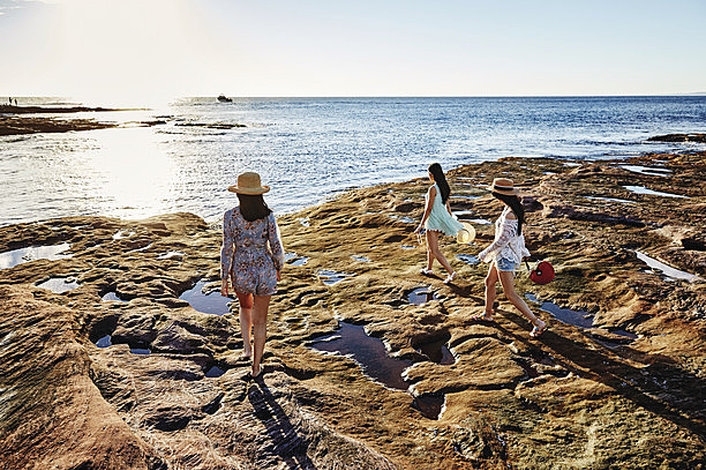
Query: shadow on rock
x,y
285,440
660,387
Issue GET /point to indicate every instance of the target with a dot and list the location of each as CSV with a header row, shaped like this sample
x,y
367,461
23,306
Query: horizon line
x,y
696,93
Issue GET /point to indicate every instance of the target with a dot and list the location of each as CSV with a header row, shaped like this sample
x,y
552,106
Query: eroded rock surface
x,y
170,391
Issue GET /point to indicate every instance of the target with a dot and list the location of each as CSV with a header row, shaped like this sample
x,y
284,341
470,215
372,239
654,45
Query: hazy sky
x,y
158,49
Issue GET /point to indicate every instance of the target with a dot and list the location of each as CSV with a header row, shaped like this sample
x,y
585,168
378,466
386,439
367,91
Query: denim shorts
x,y
504,264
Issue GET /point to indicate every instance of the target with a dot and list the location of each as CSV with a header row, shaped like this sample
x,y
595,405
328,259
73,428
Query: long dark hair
x,y
516,205
253,206
440,180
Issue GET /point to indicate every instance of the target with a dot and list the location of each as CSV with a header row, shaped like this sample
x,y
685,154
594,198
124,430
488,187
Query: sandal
x,y
425,272
481,317
450,277
537,332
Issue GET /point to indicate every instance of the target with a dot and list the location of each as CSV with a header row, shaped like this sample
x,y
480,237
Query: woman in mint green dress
x,y
438,219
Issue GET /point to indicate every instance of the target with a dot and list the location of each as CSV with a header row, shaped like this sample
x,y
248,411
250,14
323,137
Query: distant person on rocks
x,y
505,255
438,219
252,258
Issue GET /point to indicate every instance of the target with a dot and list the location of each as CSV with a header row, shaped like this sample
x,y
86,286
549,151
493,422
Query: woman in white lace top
x,y
505,255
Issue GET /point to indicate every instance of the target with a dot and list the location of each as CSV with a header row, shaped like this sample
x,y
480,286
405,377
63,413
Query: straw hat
x,y
249,183
467,234
504,186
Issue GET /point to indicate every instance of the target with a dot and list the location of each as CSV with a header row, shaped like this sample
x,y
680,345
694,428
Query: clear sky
x,y
158,49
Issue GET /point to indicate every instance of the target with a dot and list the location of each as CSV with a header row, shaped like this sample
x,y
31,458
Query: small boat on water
x,y
224,99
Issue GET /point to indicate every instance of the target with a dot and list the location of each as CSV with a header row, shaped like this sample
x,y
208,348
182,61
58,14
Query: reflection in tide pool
x,y
12,258
59,285
579,318
650,192
368,352
648,170
213,303
668,271
111,297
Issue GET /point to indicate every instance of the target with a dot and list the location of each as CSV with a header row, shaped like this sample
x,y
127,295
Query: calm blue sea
x,y
308,149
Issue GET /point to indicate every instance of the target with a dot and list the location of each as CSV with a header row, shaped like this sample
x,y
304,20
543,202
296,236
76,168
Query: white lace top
x,y
507,244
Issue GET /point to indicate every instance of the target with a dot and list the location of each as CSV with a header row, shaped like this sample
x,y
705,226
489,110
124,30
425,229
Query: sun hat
x,y
249,183
504,186
466,234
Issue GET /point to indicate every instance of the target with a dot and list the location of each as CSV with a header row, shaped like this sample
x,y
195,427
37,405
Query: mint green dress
x,y
439,218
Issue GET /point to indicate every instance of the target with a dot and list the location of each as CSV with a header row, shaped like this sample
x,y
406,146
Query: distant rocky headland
x,y
118,352
19,120
14,122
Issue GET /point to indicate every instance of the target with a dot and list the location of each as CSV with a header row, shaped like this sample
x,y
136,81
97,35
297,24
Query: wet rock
x,y
678,138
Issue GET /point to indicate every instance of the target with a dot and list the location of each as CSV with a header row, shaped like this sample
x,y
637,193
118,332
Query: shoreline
x,y
629,381
14,122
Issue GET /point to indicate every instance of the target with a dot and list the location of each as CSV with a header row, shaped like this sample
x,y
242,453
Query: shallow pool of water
x,y
650,192
579,318
330,277
611,199
421,295
215,371
120,234
362,259
648,170
468,259
430,405
139,250
368,352
140,351
295,260
213,303
12,258
437,351
106,341
59,285
668,271
112,297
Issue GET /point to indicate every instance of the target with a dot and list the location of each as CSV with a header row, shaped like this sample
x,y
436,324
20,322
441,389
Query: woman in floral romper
x,y
252,257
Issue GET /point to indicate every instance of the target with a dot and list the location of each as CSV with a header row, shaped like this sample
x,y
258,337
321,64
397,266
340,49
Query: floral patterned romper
x,y
251,254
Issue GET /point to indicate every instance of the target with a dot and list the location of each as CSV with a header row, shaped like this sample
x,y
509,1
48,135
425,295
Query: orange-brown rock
x,y
618,384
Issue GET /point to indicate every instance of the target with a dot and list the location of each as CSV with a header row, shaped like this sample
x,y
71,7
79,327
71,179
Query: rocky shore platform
x,y
19,120
117,351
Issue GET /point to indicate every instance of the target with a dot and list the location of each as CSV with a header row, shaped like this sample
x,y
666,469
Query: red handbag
x,y
543,273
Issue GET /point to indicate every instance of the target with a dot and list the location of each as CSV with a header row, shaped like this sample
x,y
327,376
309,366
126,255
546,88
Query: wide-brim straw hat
x,y
504,186
249,183
467,234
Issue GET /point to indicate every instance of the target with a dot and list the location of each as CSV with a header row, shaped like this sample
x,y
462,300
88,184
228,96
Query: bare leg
x,y
490,291
507,279
433,243
245,328
430,255
259,319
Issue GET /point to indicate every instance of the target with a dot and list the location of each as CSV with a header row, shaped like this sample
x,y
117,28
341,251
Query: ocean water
x,y
308,149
